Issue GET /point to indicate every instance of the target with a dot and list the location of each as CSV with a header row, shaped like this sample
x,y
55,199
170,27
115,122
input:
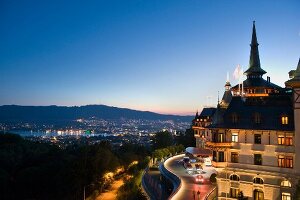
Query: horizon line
x,y
184,113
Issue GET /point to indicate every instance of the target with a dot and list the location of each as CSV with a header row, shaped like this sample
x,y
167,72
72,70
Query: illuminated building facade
x,y
255,136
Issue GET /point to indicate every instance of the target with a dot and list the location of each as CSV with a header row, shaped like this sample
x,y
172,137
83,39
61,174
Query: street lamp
x,y
84,190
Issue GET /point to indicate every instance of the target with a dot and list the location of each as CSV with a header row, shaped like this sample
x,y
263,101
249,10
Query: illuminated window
x,y
289,162
234,192
257,138
234,137
257,159
234,177
281,140
281,161
221,137
285,161
289,140
286,196
286,183
258,195
234,157
258,181
284,120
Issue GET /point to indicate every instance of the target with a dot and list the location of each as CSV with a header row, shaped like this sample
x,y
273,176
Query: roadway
x,y
189,188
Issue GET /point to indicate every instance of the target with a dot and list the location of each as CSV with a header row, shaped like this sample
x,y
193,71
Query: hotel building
x,y
254,134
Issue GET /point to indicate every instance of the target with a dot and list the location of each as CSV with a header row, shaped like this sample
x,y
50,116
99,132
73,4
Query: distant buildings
x,y
254,134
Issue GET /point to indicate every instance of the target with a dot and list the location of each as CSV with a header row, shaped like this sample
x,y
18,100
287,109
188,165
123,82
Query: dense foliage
x,y
31,170
187,139
167,151
162,139
37,170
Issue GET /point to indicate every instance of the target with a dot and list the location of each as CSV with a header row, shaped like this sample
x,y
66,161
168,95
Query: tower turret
x,y
294,84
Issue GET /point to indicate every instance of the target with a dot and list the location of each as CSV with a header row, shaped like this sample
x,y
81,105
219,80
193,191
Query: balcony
x,y
257,168
218,144
219,164
285,149
235,145
258,147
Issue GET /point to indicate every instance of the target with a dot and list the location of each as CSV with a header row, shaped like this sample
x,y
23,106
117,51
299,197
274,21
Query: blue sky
x,y
163,56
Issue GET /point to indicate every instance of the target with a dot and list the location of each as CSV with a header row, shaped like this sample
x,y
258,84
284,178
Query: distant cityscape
x,y
94,130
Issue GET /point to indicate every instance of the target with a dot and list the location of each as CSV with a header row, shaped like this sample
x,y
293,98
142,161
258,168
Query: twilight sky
x,y
167,56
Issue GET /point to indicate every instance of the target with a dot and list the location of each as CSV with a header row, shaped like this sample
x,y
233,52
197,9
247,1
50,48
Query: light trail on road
x,y
189,188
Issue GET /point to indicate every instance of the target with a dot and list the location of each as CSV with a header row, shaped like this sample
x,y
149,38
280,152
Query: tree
x,y
187,139
162,139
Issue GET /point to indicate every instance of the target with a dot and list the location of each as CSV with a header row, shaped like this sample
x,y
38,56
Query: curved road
x,y
188,185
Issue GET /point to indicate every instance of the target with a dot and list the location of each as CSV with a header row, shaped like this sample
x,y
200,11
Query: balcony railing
x,y
258,147
285,149
218,144
219,164
261,168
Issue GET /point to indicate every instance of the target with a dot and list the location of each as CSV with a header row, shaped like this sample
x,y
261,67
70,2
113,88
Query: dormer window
x,y
284,120
234,118
257,118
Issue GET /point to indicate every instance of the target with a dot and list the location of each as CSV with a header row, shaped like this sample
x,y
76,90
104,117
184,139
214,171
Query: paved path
x,y
188,186
112,193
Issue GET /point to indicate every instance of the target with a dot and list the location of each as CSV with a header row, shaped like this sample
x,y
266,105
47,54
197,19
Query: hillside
x,y
15,113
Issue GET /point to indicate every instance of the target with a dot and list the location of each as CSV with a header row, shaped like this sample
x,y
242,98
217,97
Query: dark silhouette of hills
x,y
15,113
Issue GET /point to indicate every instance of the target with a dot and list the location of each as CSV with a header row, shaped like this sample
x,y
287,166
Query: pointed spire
x,y
295,77
197,115
254,62
298,67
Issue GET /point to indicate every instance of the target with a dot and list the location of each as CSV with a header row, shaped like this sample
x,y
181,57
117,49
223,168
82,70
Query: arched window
x,y
234,177
258,180
286,183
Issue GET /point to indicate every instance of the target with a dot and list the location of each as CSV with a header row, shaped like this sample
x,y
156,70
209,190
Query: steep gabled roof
x,y
207,112
270,109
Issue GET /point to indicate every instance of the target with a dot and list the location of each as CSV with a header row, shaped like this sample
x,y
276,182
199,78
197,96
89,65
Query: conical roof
x,y
295,81
254,62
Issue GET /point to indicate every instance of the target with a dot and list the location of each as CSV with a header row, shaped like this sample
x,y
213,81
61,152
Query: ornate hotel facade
x,y
254,135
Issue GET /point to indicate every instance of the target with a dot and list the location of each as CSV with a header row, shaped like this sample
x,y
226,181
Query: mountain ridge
x,y
53,112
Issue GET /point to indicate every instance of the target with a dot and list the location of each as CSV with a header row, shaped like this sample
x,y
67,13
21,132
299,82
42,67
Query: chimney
x,y
268,79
